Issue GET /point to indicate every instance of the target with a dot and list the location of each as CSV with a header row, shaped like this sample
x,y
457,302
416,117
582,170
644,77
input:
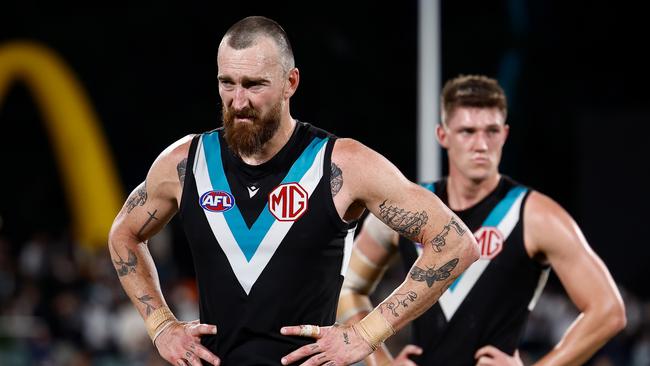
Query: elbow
x,y
117,234
613,318
471,249
111,237
617,317
112,234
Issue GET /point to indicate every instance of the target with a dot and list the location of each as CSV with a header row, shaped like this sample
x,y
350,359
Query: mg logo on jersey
x,y
287,202
490,241
217,201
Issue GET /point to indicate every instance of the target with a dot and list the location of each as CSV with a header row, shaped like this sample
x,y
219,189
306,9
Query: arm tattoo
x,y
397,301
180,168
346,339
406,223
439,241
145,300
432,275
152,216
336,179
137,198
124,268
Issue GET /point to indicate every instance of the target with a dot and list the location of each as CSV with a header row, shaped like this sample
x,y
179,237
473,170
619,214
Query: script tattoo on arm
x,y
336,179
145,300
137,198
124,268
397,302
180,168
439,241
407,223
432,275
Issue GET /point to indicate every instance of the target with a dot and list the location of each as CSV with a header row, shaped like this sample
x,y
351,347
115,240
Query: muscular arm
x,y
551,232
146,211
365,179
412,211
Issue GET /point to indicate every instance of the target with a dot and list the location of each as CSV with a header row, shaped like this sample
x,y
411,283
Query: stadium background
x,y
575,76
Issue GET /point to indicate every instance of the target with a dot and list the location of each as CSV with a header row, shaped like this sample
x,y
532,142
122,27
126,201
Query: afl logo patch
x,y
217,201
490,241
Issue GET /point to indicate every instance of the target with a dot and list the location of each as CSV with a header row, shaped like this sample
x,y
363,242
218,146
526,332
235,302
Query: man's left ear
x,y
293,81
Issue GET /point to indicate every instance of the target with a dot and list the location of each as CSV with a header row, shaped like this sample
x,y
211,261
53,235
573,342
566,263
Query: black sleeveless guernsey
x,y
268,245
490,302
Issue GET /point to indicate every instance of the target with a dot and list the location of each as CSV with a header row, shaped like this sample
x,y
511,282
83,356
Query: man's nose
x,y
240,99
480,142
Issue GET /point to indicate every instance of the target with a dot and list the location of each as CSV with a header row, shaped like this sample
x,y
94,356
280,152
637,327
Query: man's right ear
x,y
441,135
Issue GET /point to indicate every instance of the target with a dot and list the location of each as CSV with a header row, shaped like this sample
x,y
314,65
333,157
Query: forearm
x,y
137,272
589,332
431,274
429,277
414,297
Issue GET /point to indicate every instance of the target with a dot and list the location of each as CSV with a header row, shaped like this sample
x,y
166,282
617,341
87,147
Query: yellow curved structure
x,y
93,193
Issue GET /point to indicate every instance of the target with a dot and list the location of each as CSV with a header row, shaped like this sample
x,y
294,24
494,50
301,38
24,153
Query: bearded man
x,y
269,206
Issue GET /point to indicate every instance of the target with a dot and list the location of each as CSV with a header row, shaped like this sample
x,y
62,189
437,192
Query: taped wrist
x,y
374,329
158,321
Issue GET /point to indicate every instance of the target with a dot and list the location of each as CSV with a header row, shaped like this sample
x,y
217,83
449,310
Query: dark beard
x,y
246,139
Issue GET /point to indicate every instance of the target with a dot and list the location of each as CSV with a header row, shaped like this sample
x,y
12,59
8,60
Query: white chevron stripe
x,y
451,299
543,277
248,272
347,250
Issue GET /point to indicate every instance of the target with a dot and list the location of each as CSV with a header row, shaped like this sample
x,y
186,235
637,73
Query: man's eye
x,y
253,85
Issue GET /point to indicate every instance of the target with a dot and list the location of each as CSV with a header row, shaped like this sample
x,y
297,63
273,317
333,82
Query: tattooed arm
x,y
371,181
417,214
146,211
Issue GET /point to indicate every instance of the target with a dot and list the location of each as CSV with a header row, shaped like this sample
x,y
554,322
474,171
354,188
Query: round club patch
x,y
217,201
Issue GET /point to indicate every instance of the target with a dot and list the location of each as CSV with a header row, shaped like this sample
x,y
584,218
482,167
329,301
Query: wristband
x,y
374,329
158,320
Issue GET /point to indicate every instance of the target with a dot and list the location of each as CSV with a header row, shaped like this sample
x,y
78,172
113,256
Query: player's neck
x,y
463,193
274,145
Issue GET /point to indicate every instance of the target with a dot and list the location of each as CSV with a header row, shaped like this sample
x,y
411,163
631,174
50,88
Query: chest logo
x,y
217,201
252,190
490,241
287,202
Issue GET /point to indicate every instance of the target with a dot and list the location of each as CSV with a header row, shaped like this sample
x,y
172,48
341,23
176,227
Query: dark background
x,y
576,76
